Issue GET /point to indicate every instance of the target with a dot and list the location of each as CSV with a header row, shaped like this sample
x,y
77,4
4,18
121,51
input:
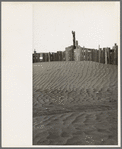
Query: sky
x,y
94,23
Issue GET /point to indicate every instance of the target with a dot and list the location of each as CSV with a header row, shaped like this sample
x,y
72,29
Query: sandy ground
x,y
75,103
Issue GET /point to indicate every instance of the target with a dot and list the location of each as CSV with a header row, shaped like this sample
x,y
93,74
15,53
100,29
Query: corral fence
x,y
101,55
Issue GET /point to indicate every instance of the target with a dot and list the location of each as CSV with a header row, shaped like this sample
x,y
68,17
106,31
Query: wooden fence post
x,y
99,55
45,57
92,54
116,55
102,57
49,56
81,57
62,56
66,55
80,54
112,56
108,51
53,56
83,53
86,54
106,62
95,55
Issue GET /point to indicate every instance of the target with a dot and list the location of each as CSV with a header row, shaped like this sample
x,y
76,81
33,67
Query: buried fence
x,y
105,55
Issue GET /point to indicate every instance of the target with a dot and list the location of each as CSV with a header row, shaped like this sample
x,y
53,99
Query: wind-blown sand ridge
x,y
75,103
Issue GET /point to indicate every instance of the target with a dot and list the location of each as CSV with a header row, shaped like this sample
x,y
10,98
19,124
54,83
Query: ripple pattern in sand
x,y
74,103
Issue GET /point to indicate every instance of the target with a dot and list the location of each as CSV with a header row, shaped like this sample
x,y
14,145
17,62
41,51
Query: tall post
x,y
73,33
76,44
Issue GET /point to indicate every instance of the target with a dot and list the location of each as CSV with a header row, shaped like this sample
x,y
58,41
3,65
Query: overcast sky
x,y
95,23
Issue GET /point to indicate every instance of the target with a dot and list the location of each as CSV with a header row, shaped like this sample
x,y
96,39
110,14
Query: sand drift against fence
x,y
75,103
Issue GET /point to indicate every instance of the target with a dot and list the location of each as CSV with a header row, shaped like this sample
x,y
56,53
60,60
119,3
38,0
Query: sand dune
x,y
74,103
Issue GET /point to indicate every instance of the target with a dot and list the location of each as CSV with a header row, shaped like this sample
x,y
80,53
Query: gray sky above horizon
x,y
95,23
